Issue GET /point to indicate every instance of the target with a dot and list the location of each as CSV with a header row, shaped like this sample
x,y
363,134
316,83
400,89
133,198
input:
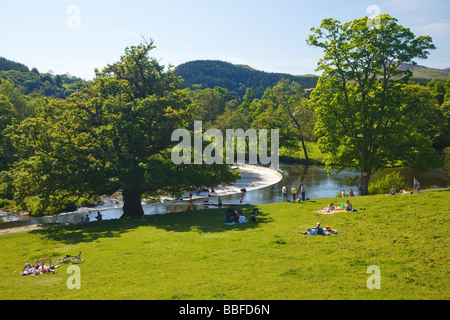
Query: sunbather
x,y
29,269
37,268
43,268
314,231
330,207
330,230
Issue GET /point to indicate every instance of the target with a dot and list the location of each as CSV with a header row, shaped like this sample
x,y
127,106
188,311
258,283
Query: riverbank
x,y
252,178
154,256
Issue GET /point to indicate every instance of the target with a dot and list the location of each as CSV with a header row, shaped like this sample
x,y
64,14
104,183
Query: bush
x,y
83,202
36,206
4,203
384,185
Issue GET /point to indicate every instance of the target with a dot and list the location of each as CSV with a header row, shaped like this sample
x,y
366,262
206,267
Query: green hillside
x,y
235,78
422,72
32,81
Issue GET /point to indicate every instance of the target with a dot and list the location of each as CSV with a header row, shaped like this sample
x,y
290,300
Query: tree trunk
x,y
365,177
304,149
132,207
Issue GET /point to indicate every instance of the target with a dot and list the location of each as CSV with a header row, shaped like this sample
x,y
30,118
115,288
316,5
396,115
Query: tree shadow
x,y
201,221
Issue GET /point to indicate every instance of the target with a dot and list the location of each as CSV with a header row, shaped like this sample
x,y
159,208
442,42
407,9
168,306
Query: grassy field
x,y
193,255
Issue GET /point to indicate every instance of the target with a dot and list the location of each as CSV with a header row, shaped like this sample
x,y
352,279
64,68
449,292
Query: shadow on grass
x,y
202,221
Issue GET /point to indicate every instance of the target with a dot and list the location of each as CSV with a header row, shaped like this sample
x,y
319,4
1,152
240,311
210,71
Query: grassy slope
x,y
298,156
195,256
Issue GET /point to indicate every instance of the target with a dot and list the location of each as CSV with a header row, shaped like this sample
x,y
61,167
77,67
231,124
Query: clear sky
x,y
78,36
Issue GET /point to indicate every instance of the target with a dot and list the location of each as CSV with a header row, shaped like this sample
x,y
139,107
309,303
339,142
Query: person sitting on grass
x,y
392,192
314,231
240,217
348,207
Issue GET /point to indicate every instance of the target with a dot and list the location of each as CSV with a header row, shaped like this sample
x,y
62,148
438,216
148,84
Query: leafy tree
x,y
113,135
211,103
7,115
286,109
366,111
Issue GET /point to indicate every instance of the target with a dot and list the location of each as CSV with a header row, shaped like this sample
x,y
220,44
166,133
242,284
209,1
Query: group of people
x,y
350,193
38,268
416,189
294,192
98,217
234,216
348,207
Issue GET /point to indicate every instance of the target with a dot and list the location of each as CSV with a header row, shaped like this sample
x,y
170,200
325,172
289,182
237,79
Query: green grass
x,y
194,255
298,156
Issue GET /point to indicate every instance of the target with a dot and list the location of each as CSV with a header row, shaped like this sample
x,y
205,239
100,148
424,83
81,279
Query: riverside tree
x,y
367,111
113,135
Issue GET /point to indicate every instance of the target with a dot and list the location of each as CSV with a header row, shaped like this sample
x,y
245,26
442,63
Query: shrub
x,y
4,203
384,185
36,206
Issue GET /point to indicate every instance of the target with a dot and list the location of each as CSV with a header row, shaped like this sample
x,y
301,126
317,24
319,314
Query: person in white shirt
x,y
284,191
241,217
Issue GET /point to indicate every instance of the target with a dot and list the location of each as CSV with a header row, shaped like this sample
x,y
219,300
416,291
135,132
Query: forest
x,y
42,84
64,140
235,78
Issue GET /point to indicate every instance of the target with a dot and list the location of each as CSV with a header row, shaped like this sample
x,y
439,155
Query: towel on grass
x,y
325,211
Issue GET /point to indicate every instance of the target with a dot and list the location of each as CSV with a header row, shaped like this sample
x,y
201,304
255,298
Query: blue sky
x,y
78,36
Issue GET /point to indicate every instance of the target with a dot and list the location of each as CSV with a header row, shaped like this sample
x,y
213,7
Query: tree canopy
x,y
368,114
113,135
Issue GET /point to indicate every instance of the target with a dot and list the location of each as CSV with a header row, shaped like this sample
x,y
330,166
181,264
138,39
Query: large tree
x,y
366,109
113,135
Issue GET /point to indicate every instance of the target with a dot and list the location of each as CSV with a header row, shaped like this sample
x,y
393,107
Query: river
x,y
262,187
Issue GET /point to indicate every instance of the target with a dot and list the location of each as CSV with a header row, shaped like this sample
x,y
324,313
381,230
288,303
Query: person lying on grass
x,y
330,230
37,269
314,231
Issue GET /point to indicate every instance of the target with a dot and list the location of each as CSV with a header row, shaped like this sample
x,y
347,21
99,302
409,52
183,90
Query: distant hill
x,y
6,65
235,78
34,82
422,72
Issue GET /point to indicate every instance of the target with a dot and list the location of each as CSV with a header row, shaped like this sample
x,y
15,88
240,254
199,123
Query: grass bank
x,y
298,156
193,255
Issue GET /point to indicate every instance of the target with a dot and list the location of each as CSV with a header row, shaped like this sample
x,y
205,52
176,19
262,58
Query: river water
x,y
262,187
